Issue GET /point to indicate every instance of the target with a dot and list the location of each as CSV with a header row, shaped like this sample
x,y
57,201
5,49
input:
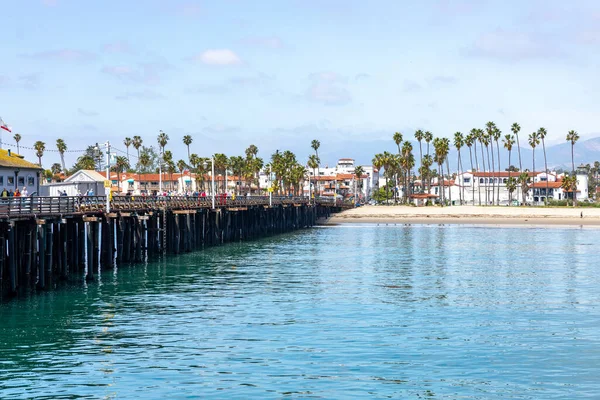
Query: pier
x,y
45,240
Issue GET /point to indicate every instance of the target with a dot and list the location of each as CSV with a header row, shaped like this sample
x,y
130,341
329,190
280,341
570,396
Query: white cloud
x,y
218,57
513,46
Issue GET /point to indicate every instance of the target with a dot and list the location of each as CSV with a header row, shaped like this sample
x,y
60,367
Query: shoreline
x,y
468,215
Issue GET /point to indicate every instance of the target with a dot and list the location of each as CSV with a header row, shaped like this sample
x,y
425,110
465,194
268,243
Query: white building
x,y
80,182
344,168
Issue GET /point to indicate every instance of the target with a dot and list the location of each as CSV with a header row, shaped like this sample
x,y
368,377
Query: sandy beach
x,y
503,215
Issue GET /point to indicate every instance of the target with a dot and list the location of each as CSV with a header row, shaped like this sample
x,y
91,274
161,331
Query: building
x,y
81,182
17,173
344,167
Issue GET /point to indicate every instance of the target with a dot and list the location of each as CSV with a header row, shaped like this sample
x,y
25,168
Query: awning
x,y
130,180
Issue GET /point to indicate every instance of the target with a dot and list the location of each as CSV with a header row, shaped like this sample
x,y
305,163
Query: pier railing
x,y
63,205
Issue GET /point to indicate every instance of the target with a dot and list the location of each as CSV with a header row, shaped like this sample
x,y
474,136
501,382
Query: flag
x,y
4,126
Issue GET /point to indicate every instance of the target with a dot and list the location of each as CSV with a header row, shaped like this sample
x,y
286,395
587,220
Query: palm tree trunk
x,y
499,170
573,165
493,168
509,193
546,169
477,164
533,177
484,180
487,150
519,151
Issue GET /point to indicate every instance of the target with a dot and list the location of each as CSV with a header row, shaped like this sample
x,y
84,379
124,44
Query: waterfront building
x,y
81,182
16,173
340,174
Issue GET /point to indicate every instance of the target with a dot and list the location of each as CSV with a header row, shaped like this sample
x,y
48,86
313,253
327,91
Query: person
x,y
24,193
90,192
63,193
10,193
17,193
4,194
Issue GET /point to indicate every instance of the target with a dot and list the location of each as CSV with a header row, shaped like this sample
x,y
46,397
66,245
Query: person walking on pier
x,y
24,193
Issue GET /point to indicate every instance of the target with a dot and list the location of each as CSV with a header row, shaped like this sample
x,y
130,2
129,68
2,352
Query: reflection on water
x,y
351,311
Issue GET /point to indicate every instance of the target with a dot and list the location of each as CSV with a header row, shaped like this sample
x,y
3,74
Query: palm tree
x,y
515,128
439,159
221,163
428,136
469,141
85,161
419,137
573,137
187,140
315,144
162,140
144,161
137,144
508,144
358,173
523,180
542,134
378,162
490,128
61,146
127,142
56,168
569,184
497,133
459,143
17,138
39,148
398,140
475,138
313,163
533,142
482,140
511,186
121,165
406,163
445,152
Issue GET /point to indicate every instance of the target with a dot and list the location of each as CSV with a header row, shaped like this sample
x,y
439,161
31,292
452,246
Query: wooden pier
x,y
44,240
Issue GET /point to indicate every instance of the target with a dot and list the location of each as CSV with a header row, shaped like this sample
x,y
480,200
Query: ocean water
x,y
440,312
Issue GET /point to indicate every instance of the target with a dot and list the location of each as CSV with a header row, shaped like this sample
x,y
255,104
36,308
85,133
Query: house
x,y
17,173
78,183
346,166
420,199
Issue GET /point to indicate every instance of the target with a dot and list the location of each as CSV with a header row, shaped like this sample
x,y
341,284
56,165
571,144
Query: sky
x,y
278,73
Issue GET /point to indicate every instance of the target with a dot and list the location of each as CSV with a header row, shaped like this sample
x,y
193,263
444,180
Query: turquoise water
x,y
441,312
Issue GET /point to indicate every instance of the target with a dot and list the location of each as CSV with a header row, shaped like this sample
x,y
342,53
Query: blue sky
x,y
280,73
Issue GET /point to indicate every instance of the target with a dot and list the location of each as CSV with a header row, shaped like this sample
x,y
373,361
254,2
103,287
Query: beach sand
x,y
470,215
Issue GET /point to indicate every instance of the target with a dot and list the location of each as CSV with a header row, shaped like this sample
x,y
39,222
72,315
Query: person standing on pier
x,y
24,193
4,194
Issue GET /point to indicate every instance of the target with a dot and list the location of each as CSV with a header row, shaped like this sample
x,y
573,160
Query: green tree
x,y
515,128
573,137
17,138
359,171
469,141
569,185
137,144
459,142
428,136
39,148
61,146
534,141
524,183
511,186
127,142
162,140
121,165
56,168
508,145
315,145
542,135
187,140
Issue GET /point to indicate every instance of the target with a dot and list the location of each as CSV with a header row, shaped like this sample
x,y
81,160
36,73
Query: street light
x,y
212,178
107,187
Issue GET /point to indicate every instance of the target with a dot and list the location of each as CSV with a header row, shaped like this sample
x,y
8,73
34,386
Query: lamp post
x,y
212,179
160,174
270,185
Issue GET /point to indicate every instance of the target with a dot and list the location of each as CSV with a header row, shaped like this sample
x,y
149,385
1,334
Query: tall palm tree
x,y
511,186
459,143
162,140
508,145
482,140
313,163
445,152
378,162
490,128
137,144
542,135
17,138
534,140
573,137
515,128
497,134
39,148
427,162
428,137
439,159
127,142
61,146
221,163
315,144
476,138
187,140
407,162
398,140
469,141
419,134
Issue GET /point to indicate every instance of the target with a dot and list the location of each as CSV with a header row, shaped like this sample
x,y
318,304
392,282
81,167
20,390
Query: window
x,y
30,181
504,180
466,180
480,180
10,180
1,180
21,180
